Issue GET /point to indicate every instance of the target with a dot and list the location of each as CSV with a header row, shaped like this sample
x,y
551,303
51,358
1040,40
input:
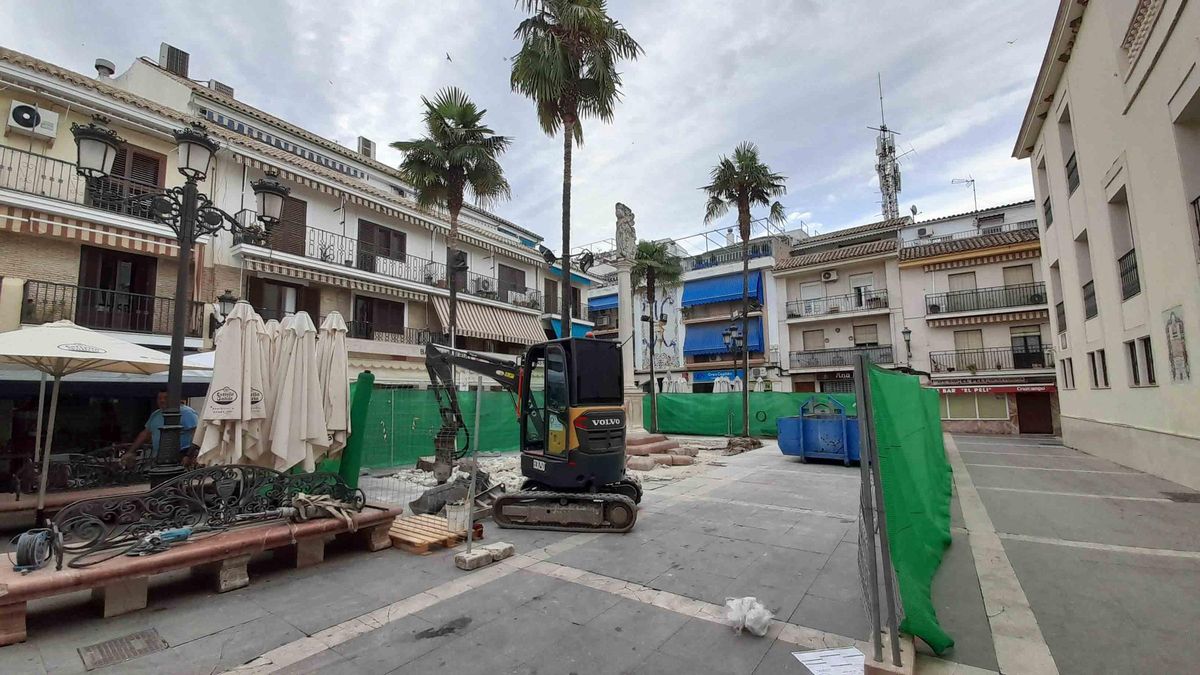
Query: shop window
x,y
992,406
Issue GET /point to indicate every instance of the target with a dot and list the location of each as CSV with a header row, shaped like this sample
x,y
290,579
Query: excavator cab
x,y
572,420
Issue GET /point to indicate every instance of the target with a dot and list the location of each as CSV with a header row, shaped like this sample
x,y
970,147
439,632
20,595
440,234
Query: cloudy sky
x,y
797,77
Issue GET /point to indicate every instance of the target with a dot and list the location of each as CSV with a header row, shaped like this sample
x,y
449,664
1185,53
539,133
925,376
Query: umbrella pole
x,y
37,435
41,499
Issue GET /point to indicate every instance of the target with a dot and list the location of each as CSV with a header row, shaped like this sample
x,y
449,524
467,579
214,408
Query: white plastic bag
x,y
748,613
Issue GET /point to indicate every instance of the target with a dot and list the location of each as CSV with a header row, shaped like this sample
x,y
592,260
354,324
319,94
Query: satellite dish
x,y
26,116
913,208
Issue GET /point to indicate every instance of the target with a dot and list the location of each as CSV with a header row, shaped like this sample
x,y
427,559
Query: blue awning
x,y
712,375
555,270
597,303
720,289
577,329
706,338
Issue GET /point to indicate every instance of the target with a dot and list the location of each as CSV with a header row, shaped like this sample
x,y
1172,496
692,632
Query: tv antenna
x,y
969,180
887,166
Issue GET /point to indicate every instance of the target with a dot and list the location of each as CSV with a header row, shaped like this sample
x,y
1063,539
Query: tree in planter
x,y
654,268
742,182
568,66
458,154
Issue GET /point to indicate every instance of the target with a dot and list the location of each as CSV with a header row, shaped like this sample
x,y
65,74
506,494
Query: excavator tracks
x,y
565,511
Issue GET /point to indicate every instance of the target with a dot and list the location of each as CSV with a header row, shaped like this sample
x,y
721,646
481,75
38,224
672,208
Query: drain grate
x,y
1183,497
118,650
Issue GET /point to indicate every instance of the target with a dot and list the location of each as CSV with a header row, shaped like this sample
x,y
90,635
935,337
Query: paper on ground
x,y
845,661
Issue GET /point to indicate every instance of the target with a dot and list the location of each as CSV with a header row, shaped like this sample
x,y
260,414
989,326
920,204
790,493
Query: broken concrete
x,y
640,463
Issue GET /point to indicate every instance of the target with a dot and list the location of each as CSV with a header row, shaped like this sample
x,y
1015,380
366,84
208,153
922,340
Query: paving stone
x,y
640,463
473,560
779,659
658,663
693,583
492,600
573,603
327,662
216,652
499,646
396,643
586,650
839,579
644,625
718,646
312,604
842,617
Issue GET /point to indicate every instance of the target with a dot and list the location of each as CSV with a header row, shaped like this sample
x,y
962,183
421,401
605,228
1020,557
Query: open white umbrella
x,y
62,348
334,372
297,420
230,428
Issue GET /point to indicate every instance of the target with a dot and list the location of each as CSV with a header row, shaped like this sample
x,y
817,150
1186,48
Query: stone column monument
x,y
626,251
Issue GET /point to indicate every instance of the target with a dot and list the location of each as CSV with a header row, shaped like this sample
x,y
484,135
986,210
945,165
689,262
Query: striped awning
x,y
28,221
491,323
306,274
1003,317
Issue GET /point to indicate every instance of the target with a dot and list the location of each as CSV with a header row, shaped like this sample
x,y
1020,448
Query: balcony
x,y
827,358
43,176
991,359
971,233
367,330
1131,283
1090,309
980,299
730,254
104,309
337,249
863,301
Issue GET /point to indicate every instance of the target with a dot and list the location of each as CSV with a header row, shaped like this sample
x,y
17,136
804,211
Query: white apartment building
x,y
352,238
974,303
1112,132
839,299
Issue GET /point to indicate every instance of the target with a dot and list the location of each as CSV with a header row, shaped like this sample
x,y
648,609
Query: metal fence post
x,y
474,464
865,506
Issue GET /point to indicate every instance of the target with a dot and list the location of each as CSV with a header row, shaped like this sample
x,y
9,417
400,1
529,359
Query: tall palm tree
x,y
742,182
458,154
654,267
568,66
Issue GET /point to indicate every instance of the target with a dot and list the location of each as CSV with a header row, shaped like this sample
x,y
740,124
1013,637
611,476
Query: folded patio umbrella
x,y
759,385
62,348
298,435
334,372
230,428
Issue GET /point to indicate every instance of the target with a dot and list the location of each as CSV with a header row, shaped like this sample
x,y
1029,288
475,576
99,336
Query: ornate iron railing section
x,y
369,330
1131,282
82,471
816,358
214,497
971,233
104,309
36,174
1090,308
991,359
995,297
730,254
839,304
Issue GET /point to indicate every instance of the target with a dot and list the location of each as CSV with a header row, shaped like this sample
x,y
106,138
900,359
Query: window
x,y
379,248
1141,362
814,339
992,406
866,335
1018,275
990,224
1072,169
860,287
511,281
974,406
550,291
963,281
1068,373
1098,368
1049,211
1027,346
378,319
275,300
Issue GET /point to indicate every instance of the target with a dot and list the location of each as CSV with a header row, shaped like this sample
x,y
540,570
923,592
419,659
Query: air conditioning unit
x,y
923,232
221,88
28,119
829,275
756,373
483,285
366,147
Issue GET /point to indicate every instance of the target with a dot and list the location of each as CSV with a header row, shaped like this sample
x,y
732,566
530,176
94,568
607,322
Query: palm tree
x,y
654,266
457,154
742,182
568,66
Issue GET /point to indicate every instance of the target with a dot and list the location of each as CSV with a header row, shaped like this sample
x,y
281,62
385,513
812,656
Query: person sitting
x,y
188,419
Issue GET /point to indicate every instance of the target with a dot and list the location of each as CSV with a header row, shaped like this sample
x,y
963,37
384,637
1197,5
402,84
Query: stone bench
x,y
121,583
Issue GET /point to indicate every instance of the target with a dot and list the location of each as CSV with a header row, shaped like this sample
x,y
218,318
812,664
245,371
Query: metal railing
x,y
991,359
839,304
724,256
36,174
368,330
338,249
1131,283
995,297
1060,311
104,309
971,233
1090,309
816,358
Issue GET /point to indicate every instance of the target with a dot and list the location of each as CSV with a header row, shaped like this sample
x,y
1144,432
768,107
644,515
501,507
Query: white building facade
x,y
1112,132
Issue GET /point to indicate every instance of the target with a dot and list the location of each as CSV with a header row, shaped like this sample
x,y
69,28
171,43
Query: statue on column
x,y
626,234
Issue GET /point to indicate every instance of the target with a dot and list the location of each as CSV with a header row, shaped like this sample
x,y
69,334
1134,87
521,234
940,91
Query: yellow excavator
x,y
569,397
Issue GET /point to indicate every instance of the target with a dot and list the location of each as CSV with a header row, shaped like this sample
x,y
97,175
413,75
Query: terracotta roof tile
x,y
969,244
836,254
850,232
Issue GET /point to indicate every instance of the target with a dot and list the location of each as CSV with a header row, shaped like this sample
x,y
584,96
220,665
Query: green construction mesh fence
x,y
916,483
721,414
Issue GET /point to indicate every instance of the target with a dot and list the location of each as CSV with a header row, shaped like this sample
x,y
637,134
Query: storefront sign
x,y
1001,389
836,375
712,375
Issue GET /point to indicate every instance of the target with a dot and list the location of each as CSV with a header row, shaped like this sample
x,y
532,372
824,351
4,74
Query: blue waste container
x,y
822,430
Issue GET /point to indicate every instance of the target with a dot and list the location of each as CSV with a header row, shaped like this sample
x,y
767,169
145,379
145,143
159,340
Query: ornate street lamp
x,y
226,301
190,214
907,335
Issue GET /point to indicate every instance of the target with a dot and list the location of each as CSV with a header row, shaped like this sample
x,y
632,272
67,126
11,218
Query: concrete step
x,y
643,438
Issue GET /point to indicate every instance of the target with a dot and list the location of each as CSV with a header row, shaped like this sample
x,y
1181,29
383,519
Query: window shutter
x,y
144,169
288,235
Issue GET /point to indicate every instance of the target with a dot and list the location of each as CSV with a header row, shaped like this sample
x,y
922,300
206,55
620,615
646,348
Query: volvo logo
x,y
605,421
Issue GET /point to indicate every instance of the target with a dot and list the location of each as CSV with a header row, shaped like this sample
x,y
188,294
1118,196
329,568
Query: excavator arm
x,y
440,361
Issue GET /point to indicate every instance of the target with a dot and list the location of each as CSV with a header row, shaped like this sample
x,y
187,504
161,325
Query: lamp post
x,y
907,335
735,341
190,214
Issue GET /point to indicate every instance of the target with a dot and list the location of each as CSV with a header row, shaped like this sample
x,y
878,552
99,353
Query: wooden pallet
x,y
423,533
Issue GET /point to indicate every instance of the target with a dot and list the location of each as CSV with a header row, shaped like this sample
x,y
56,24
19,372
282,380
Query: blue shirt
x,y
188,419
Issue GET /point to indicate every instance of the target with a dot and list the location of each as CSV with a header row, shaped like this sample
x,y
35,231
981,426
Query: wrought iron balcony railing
x,y
838,304
36,174
368,330
995,297
1131,283
104,309
991,359
971,233
730,254
817,358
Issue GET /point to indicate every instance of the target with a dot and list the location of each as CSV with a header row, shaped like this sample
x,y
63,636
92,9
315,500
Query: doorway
x,y
116,290
1034,414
